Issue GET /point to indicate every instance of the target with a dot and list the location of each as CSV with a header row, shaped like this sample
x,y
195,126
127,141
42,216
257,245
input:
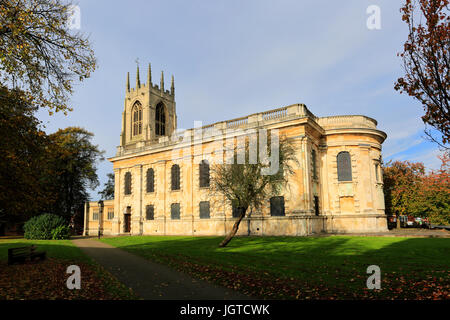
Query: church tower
x,y
149,112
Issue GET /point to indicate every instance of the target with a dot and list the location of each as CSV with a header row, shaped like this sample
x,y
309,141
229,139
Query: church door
x,y
127,223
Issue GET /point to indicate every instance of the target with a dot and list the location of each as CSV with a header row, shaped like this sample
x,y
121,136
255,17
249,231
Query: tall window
x,y
204,210
95,215
110,213
150,212
377,175
237,211
175,211
175,177
160,120
344,166
150,180
314,163
137,119
277,206
128,183
316,205
204,174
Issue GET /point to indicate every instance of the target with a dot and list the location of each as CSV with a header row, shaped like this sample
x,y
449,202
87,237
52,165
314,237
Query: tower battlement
x,y
145,87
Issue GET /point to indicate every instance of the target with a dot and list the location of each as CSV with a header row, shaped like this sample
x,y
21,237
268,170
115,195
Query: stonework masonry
x,y
336,187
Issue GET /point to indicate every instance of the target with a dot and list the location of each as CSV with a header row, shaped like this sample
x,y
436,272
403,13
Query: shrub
x,y
61,233
41,227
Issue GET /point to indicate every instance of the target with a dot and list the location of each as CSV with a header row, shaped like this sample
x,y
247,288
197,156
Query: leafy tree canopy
x,y
426,62
39,54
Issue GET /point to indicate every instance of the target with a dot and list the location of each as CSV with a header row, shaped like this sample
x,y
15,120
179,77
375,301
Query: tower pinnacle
x,y
138,80
149,76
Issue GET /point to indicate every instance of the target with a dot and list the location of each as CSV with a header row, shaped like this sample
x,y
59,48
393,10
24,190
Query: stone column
x,y
86,218
116,224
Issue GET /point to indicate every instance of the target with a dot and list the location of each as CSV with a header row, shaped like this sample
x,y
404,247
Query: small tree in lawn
x,y
247,185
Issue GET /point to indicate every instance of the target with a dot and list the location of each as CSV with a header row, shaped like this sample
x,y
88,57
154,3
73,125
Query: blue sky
x,y
231,58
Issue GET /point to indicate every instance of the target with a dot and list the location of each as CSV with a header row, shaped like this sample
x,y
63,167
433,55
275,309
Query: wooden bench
x,y
23,253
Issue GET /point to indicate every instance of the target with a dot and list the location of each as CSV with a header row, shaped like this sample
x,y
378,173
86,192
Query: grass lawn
x,y
47,279
307,267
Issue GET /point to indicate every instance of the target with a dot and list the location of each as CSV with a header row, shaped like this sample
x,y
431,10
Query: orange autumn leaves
x,y
410,190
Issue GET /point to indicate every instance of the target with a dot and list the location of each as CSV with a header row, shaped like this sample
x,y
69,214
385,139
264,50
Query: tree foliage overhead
x,y
39,54
245,185
426,62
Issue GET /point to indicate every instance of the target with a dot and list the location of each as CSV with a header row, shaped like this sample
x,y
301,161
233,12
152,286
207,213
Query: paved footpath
x,y
151,280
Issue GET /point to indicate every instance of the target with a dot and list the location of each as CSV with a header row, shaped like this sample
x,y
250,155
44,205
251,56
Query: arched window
x,y
204,174
128,183
160,120
150,180
137,119
175,177
344,166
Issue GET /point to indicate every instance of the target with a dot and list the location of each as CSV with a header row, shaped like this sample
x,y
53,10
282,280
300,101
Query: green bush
x,y
46,227
61,233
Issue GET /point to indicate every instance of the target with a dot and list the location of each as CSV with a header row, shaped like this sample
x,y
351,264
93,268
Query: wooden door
x,y
127,223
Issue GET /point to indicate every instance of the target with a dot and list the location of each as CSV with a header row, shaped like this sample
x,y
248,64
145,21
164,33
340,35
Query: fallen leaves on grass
x,y
46,280
432,285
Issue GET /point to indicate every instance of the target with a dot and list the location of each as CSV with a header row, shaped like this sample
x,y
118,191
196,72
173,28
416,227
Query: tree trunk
x,y
232,232
248,222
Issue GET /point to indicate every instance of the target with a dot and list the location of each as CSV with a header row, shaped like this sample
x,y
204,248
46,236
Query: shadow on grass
x,y
57,249
336,260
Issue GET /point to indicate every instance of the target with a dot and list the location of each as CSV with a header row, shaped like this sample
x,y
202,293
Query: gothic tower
x,y
149,112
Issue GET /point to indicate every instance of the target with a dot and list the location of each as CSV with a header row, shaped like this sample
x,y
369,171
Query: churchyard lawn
x,y
331,267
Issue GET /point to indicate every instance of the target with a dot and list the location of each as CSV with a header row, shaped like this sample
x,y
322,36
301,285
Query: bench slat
x,y
21,253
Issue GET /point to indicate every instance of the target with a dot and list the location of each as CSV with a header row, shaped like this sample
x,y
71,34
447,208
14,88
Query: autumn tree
x,y
410,190
426,62
75,163
435,193
402,182
246,185
108,189
39,54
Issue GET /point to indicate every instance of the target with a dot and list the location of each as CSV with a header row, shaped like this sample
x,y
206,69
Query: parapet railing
x,y
356,121
256,119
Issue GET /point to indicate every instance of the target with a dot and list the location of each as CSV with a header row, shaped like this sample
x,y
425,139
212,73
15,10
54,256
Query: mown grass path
x,y
332,267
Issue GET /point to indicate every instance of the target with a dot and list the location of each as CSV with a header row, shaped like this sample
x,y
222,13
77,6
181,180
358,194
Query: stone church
x,y
336,187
